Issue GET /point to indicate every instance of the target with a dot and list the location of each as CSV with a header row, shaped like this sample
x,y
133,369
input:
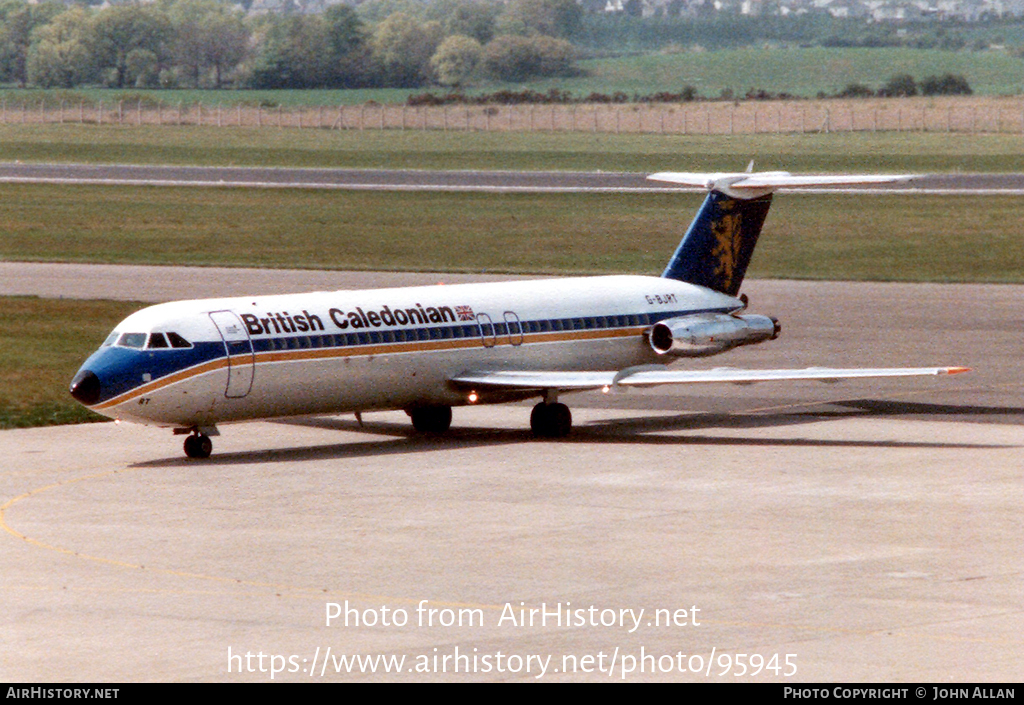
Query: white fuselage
x,y
323,352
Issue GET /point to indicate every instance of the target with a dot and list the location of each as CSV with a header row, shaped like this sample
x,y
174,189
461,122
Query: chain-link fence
x,y
698,118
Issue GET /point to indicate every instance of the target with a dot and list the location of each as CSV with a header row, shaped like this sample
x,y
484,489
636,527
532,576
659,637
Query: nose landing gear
x,y
198,446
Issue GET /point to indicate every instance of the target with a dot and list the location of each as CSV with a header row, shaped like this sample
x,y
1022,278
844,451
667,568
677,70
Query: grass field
x,y
45,341
801,72
873,152
910,238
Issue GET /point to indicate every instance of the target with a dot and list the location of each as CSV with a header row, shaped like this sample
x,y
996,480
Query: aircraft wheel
x,y
198,446
551,420
431,419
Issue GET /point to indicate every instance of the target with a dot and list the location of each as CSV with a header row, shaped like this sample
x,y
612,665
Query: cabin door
x,y
514,328
241,358
487,331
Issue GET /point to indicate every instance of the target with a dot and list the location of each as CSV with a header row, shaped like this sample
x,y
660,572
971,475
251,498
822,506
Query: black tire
x,y
198,447
431,419
551,420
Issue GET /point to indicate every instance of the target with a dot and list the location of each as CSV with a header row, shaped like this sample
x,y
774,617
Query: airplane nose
x,y
85,387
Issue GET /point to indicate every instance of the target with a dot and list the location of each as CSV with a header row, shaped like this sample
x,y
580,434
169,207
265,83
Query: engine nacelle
x,y
711,333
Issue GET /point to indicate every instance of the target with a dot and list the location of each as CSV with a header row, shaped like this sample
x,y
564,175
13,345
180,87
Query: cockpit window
x,y
157,340
110,339
132,340
177,341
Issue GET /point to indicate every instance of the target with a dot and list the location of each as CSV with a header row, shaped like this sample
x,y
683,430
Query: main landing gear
x,y
551,420
431,419
198,446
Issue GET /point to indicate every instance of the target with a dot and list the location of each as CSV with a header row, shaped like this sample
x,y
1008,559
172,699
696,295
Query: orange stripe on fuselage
x,y
366,350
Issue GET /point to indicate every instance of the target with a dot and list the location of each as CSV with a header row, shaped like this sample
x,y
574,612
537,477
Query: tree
x,y
510,58
456,59
947,84
61,53
900,85
403,47
514,58
207,36
123,29
472,18
555,18
19,22
295,53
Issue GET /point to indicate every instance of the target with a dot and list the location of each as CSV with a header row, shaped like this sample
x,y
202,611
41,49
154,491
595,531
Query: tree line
x,y
214,44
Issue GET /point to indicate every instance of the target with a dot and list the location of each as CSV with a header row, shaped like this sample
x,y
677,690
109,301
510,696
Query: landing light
x,y
473,397
605,389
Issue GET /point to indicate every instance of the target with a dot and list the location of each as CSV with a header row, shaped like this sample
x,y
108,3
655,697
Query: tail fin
x,y
718,245
720,241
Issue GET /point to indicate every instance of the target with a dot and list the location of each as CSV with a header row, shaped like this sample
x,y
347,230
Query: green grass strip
x,y
905,238
391,149
44,343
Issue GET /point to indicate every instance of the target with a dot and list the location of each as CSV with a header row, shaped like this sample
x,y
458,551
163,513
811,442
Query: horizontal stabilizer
x,y
568,381
751,185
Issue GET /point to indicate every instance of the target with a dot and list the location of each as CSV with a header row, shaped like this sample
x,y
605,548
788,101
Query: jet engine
x,y
710,333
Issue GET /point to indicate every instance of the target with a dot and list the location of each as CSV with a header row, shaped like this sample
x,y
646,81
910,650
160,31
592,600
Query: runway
x,y
866,531
439,180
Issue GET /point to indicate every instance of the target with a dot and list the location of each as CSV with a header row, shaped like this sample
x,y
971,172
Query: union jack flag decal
x,y
465,313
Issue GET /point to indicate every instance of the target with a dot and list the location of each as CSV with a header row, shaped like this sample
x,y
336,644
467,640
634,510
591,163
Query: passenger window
x,y
157,340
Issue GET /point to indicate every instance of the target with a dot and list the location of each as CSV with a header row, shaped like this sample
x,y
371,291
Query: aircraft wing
x,y
655,375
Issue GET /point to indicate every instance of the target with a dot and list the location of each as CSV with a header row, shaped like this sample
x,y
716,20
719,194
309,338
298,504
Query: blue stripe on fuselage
x,y
120,369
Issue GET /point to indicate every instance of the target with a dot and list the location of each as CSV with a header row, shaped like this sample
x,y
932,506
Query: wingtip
x,y
956,370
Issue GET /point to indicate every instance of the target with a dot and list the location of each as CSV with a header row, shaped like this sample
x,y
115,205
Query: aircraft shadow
x,y
400,438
